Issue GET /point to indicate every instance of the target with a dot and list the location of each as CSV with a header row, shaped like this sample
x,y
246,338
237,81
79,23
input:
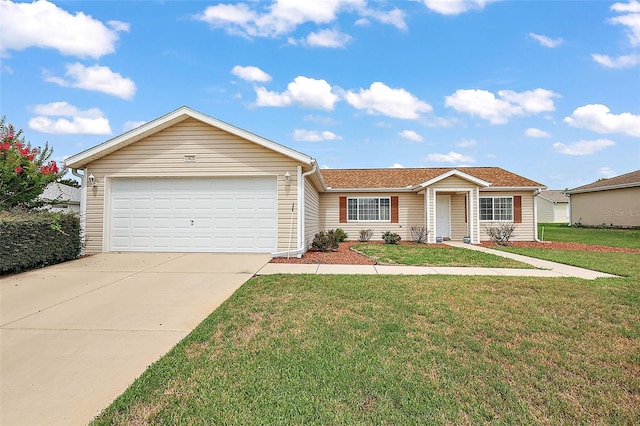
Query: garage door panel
x,y
204,215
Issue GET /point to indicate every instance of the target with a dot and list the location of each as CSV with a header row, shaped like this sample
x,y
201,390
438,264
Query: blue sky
x,y
547,89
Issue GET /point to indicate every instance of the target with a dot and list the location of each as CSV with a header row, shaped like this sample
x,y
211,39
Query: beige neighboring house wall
x,y
553,207
614,201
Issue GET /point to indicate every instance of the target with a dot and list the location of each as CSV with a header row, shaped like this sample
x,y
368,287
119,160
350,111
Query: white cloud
x,y
451,157
623,61
281,17
598,118
606,172
633,7
382,99
84,122
278,18
96,78
582,147
546,41
532,132
314,136
466,143
328,38
395,17
303,91
486,105
397,166
250,73
410,135
130,125
45,25
632,24
455,7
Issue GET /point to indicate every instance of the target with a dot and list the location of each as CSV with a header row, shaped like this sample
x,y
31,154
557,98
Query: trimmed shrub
x,y
365,235
391,237
341,235
418,233
33,239
325,241
501,233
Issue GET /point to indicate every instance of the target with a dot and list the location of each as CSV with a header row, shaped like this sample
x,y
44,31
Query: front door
x,y
443,216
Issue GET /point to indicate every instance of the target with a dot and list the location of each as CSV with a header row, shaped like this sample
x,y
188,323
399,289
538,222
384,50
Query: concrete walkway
x,y
546,268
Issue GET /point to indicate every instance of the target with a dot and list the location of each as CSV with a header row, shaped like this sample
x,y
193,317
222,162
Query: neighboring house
x,y
61,197
553,206
187,182
614,201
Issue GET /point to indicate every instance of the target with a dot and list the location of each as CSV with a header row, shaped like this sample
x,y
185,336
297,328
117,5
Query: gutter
x,y
536,193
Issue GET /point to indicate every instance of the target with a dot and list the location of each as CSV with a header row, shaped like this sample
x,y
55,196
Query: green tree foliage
x,y
24,171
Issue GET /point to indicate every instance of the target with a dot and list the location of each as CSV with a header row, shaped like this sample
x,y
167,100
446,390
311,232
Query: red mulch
x,y
346,256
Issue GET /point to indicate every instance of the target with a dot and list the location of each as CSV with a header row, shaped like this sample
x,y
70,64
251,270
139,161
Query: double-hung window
x,y
369,209
496,208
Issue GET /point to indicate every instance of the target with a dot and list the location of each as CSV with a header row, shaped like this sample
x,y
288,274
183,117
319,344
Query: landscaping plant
x,y
365,235
341,235
24,171
325,241
501,233
418,233
391,237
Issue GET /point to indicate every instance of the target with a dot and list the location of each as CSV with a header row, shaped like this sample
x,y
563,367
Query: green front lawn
x,y
606,237
402,350
425,255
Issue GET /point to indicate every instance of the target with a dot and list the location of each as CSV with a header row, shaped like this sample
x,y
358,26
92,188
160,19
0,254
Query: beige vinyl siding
x,y
311,213
545,211
620,207
524,231
218,153
410,212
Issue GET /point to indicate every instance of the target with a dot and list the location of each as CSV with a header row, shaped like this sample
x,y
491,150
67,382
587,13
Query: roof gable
x,y
627,180
409,179
81,159
554,195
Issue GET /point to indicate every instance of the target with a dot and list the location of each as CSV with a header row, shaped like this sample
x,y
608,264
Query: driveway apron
x,y
74,336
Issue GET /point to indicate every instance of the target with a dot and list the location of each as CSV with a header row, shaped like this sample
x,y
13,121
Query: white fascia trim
x,y
457,173
371,190
181,114
604,188
512,188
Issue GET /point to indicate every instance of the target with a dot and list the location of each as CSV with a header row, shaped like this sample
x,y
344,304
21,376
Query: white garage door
x,y
194,215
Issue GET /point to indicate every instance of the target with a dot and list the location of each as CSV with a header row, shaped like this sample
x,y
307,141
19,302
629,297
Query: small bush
x,y
391,237
341,235
33,239
418,233
365,235
325,241
501,234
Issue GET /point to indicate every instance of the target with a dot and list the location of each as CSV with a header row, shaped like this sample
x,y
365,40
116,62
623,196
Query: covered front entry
x,y
443,216
221,214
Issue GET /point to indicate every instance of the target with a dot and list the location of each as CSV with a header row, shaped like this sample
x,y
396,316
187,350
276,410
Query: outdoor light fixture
x,y
92,181
287,178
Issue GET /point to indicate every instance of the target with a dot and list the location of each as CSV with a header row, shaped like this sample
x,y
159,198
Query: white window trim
x,y
369,221
493,208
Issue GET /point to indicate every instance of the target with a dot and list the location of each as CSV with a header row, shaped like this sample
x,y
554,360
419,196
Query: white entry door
x,y
443,216
194,215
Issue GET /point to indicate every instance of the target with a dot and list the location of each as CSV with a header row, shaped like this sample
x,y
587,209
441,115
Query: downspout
x,y
83,207
535,213
302,207
300,248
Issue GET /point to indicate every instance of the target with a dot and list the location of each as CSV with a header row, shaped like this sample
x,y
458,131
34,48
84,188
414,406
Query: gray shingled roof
x,y
627,180
60,192
554,195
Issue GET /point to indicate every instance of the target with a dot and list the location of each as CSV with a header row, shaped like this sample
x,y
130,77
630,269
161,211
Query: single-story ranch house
x,y
614,201
553,206
187,182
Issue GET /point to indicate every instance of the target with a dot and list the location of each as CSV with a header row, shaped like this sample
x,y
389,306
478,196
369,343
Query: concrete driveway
x,y
74,336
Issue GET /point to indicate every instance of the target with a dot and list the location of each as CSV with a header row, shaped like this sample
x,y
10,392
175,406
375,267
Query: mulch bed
x,y
345,256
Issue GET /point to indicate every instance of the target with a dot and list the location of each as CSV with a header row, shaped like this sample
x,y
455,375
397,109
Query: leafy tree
x,y
69,182
24,171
